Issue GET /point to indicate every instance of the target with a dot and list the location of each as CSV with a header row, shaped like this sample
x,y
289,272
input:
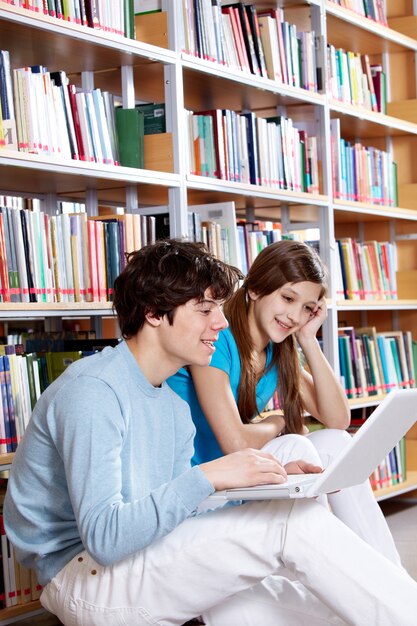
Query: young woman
x,y
280,304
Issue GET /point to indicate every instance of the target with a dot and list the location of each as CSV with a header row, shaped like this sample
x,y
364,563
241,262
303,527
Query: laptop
x,y
369,446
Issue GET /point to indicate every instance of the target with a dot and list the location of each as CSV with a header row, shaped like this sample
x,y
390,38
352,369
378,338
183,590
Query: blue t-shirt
x,y
226,358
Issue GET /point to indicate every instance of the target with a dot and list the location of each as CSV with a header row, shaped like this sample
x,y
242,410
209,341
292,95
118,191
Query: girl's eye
x,y
287,298
309,310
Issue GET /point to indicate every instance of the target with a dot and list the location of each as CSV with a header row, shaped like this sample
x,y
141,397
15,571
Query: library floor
x,y
401,515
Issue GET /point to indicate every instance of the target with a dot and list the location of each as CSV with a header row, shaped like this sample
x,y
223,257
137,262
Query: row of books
x,y
260,42
362,173
373,9
69,257
54,118
113,16
374,362
41,112
34,340
392,470
254,236
18,584
66,258
23,378
366,270
243,147
353,79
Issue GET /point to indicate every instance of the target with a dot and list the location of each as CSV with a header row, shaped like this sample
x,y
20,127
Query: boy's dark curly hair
x,y
162,276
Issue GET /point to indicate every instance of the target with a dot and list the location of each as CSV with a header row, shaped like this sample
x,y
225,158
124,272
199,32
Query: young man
x,y
102,499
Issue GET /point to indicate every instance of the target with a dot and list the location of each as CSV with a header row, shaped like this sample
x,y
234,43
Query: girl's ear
x,y
252,295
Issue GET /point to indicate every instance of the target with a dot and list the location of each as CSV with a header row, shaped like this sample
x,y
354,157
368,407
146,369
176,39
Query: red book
x,y
71,92
238,36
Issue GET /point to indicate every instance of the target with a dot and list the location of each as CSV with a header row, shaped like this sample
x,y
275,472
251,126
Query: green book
x,y
154,118
57,362
130,131
129,17
31,379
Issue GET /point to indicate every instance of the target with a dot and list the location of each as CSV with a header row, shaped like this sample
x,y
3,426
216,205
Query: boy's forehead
x,y
207,298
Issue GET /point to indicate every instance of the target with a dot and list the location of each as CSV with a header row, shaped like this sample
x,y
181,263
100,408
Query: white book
x,y
224,213
24,389
103,127
66,241
14,214
269,39
93,124
52,122
43,121
84,126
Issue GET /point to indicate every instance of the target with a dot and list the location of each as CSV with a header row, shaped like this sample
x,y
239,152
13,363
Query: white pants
x,y
228,557
355,506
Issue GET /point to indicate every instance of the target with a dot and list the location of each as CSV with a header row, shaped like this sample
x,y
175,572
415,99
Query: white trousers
x,y
355,506
228,558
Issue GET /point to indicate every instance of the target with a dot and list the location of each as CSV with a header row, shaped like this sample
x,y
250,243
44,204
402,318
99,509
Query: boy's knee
x,y
292,448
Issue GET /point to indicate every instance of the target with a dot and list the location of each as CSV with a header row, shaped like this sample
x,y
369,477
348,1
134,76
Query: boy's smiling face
x,y
196,326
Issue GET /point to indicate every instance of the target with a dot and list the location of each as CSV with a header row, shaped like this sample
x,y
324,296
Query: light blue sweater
x,y
104,465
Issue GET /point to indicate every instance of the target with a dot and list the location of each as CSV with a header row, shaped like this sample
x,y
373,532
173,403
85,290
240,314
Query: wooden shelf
x,y
346,211
252,92
359,403
376,305
34,37
362,34
408,485
29,609
6,460
30,310
23,172
252,195
366,124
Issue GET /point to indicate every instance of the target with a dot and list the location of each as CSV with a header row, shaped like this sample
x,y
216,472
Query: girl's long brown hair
x,y
280,263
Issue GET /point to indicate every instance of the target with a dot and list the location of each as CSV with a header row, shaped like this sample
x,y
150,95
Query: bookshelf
x,y
157,68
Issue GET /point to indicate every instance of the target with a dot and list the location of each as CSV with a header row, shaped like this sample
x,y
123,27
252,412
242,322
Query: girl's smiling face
x,y
283,312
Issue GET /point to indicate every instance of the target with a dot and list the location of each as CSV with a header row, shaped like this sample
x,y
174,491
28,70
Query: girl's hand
x,y
311,327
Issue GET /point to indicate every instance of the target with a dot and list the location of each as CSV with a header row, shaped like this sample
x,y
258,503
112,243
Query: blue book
x,y
8,404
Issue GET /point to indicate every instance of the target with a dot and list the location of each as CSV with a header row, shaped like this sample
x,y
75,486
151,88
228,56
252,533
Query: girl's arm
x,y
323,396
219,406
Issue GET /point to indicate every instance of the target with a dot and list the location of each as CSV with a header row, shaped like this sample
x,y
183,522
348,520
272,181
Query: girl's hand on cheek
x,y
311,327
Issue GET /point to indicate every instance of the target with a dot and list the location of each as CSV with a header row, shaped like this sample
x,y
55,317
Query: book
x,y
270,45
154,121
57,362
7,397
256,36
130,133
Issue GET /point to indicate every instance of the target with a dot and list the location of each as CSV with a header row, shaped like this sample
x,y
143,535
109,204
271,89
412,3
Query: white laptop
x,y
369,446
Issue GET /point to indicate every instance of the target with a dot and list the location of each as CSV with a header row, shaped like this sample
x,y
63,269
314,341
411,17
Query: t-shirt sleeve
x,y
223,356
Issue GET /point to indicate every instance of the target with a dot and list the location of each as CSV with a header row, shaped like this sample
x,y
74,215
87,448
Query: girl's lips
x,y
284,326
